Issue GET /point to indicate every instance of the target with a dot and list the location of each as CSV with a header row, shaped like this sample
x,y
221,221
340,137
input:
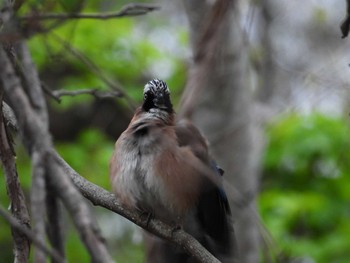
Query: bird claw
x,y
148,214
175,229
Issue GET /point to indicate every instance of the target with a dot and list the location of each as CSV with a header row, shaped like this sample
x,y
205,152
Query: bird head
x,y
156,95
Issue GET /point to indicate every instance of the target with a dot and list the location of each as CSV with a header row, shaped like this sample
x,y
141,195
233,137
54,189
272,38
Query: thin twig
x,y
57,94
127,10
113,84
96,92
30,234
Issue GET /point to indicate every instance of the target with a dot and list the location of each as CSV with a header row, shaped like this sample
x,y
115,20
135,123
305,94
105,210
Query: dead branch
x,y
127,10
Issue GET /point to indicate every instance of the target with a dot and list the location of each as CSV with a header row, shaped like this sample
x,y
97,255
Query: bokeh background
x,y
297,72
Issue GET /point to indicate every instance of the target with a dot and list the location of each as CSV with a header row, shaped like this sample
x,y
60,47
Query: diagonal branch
x,y
58,170
31,81
34,132
111,83
127,10
100,197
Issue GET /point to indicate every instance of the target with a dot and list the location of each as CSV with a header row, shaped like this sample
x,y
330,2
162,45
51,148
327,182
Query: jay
x,y
164,168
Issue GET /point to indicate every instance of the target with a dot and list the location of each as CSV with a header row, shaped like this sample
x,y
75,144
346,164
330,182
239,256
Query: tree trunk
x,y
219,100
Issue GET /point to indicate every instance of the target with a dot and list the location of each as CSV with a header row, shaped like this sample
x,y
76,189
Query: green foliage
x,y
124,51
76,252
305,196
91,158
121,50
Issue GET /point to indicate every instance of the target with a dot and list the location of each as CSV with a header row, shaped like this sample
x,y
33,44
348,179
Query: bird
x,y
163,167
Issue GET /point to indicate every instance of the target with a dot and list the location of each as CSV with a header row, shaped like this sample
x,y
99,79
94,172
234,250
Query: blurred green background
x,y
304,196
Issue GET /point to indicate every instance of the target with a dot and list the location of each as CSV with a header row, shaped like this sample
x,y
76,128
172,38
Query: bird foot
x,y
175,229
147,216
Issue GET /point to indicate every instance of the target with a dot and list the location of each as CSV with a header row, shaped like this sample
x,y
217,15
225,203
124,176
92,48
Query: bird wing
x,y
213,210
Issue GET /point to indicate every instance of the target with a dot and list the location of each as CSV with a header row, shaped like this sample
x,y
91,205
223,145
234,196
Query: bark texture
x,y
219,100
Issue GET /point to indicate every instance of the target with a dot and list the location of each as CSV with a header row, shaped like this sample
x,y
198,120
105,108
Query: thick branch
x,y
100,197
127,10
32,81
34,131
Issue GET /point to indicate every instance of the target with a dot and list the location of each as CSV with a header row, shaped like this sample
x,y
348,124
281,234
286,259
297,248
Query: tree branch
x,y
35,134
37,140
111,83
127,10
97,93
15,193
9,117
37,198
31,81
100,197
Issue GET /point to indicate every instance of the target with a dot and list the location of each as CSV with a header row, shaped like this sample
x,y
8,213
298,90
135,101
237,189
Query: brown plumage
x,y
165,168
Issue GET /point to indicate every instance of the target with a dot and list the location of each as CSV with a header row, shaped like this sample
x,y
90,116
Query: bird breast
x,y
135,177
